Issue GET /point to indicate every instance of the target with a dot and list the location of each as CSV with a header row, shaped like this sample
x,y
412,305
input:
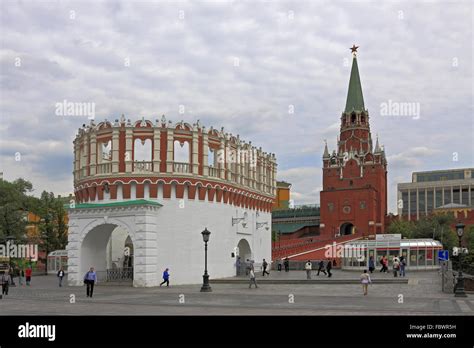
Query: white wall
x,y
168,237
180,245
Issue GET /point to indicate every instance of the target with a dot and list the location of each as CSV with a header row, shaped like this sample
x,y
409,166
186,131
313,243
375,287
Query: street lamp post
x,y
460,284
205,284
279,239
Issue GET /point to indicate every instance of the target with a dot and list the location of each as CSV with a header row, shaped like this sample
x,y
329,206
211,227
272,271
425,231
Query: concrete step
x,y
307,281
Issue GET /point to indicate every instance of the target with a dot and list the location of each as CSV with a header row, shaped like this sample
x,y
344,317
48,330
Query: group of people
x,y
398,265
286,263
398,268
8,276
324,267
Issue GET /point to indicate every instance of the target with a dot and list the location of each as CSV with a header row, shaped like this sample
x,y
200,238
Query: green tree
x,y
52,227
403,227
13,204
468,242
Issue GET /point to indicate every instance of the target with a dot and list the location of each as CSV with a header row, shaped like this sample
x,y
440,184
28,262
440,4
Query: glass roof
x,y
58,253
404,243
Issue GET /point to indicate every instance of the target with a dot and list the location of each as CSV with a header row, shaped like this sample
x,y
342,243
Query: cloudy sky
x,y
243,65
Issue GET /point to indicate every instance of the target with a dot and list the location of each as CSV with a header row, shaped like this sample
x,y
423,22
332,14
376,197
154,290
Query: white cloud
x,y
284,60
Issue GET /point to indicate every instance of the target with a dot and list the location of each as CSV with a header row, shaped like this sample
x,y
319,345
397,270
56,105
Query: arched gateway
x,y
100,236
145,190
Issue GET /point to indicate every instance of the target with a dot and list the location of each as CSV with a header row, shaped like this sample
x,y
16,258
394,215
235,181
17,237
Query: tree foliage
x,y
437,227
13,204
16,200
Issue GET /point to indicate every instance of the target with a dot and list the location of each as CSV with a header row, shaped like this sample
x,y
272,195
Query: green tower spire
x,y
355,100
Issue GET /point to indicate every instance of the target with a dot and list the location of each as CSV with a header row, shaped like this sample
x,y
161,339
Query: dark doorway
x,y
346,229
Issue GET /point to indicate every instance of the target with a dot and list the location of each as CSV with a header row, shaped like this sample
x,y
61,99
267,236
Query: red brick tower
x,y
354,195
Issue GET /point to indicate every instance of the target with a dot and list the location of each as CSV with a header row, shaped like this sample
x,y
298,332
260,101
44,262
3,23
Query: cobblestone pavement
x,y
421,296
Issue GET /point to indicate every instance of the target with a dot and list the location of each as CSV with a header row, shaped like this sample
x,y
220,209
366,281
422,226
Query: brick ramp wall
x,y
310,251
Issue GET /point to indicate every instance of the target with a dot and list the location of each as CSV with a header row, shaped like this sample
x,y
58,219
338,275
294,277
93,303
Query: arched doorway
x,y
244,250
109,249
244,256
346,229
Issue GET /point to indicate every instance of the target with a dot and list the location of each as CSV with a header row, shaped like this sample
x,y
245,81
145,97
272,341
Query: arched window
x,y
181,151
211,158
362,118
142,150
105,151
353,118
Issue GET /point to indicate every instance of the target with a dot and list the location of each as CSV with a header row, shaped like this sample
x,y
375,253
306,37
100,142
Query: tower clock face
x,y
346,209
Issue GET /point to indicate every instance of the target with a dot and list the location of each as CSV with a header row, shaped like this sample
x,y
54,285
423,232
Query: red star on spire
x,y
354,48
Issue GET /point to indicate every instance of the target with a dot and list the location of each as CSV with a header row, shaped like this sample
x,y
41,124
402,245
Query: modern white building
x,y
145,191
433,190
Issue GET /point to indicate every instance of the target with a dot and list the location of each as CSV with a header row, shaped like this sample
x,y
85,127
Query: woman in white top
x,y
308,267
365,280
252,279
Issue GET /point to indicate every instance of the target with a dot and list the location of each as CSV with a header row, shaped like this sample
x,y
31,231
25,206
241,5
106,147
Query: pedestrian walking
x,y
383,262
328,268
90,279
238,264
28,273
396,266
402,266
21,276
308,267
12,275
279,265
365,280
166,278
265,265
321,267
60,276
5,281
287,265
252,279
371,264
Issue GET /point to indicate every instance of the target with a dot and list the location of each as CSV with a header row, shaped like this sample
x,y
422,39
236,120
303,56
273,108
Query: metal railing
x,y
119,274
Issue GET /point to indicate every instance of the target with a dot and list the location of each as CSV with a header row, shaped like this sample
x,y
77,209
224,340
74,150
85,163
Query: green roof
x,y
116,204
290,228
355,100
299,211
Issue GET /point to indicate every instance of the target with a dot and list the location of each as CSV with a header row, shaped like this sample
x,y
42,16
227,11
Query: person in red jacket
x,y
28,275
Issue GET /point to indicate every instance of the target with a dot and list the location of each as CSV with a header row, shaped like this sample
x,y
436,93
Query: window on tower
x,y
362,118
331,207
353,118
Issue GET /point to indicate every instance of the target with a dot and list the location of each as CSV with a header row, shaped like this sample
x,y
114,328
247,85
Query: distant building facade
x,y
436,192
282,199
297,222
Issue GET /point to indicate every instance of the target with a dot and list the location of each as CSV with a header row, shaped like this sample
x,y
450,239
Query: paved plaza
x,y
420,295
